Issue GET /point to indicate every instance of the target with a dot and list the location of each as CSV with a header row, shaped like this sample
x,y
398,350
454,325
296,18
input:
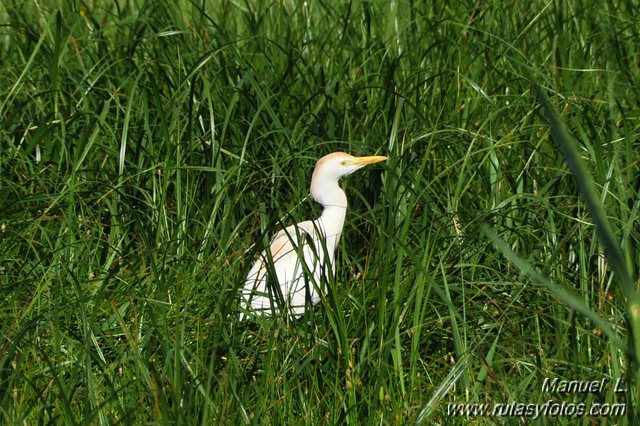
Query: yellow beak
x,y
363,161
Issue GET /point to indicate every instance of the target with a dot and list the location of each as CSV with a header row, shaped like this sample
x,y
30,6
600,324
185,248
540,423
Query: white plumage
x,y
312,242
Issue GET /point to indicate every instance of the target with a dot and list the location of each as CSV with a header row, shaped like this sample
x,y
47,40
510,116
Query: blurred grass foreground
x,y
149,149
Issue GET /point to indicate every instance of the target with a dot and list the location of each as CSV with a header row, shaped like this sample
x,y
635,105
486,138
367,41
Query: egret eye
x,y
343,163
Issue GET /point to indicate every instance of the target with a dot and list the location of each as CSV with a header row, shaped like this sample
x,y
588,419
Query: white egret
x,y
301,256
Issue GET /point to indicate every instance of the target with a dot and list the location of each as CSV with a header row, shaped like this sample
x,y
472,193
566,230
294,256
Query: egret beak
x,y
363,161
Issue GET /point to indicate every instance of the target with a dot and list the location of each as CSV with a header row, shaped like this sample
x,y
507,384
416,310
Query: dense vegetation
x,y
146,146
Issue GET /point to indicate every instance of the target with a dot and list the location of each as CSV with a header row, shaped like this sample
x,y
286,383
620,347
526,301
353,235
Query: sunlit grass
x,y
150,150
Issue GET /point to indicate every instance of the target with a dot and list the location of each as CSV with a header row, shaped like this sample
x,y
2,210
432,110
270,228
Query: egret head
x,y
332,167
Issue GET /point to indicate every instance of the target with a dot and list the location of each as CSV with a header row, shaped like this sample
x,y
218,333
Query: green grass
x,y
149,150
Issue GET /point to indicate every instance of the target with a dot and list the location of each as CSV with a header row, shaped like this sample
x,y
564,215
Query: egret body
x,y
301,256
